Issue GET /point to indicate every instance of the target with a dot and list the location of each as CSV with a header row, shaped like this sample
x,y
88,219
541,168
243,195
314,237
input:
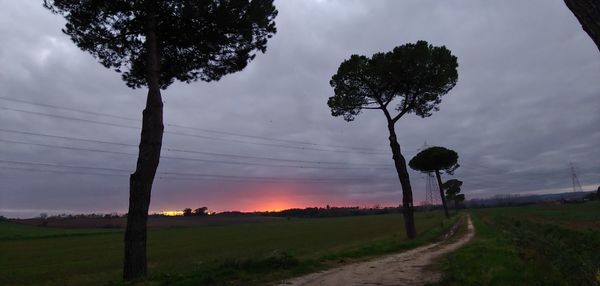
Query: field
x,y
532,245
153,221
250,253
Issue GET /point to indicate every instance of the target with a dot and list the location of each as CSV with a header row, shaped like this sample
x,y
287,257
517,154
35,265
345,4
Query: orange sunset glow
x,y
254,196
271,197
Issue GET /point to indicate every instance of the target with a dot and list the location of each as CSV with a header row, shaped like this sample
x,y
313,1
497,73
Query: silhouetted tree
x,y
154,43
588,14
187,212
412,78
436,159
200,211
452,188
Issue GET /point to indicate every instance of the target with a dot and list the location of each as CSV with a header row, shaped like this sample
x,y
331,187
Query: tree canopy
x,y
452,188
435,159
197,40
418,75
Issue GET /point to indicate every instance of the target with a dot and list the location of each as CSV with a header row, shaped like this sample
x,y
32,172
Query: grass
x,y
533,245
253,253
15,231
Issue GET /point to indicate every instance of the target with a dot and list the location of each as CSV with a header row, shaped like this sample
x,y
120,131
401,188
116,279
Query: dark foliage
x,y
331,212
435,159
588,14
201,211
197,39
418,75
452,188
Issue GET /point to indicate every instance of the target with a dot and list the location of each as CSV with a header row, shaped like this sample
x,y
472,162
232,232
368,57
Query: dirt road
x,y
406,268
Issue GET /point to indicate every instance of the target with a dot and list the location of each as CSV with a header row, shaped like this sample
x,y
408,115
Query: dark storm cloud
x,y
526,104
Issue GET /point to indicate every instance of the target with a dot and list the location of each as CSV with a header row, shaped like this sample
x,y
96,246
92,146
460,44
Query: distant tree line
x,y
71,216
329,211
505,200
317,212
202,211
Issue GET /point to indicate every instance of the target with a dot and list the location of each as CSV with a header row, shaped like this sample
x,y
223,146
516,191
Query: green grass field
x,y
532,245
245,253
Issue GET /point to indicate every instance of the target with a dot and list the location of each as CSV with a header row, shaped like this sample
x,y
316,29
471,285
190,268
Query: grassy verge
x,y
536,245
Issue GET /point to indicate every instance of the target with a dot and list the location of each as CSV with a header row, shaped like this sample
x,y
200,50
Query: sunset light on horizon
x,y
263,197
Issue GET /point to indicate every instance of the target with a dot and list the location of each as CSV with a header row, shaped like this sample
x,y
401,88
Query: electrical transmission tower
x,y
430,183
429,193
575,179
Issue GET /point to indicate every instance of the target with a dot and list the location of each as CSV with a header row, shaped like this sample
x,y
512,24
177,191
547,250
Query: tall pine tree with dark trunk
x,y
153,43
436,159
412,78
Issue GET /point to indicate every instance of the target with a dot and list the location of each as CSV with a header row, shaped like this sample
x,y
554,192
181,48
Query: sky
x,y
526,105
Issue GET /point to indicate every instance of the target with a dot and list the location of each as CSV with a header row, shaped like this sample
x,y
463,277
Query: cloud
x,y
526,104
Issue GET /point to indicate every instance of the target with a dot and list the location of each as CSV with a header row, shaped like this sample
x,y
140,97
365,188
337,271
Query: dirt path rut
x,y
405,268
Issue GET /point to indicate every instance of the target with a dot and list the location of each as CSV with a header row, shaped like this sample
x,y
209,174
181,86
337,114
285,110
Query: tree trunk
x,y
140,182
407,199
588,14
439,180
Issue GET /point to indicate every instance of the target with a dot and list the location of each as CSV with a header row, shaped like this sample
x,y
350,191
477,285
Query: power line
x,y
366,166
271,139
188,159
63,166
271,158
61,172
274,145
123,175
65,137
188,174
191,151
66,147
171,178
189,135
68,117
86,112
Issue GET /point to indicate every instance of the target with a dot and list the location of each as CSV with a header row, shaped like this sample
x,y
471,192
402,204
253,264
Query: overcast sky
x,y
526,104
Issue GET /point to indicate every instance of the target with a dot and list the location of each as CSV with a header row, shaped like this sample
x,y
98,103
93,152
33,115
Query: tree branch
x,y
407,107
387,115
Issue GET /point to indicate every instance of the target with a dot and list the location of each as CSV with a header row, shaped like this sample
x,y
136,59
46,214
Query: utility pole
x,y
575,179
